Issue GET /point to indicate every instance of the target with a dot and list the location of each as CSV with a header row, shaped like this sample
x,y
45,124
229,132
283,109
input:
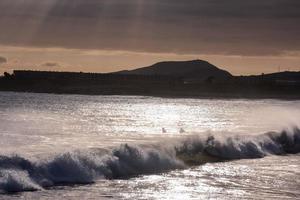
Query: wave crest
x,y
21,174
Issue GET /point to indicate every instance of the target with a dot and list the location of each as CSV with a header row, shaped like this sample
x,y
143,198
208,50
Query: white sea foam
x,y
20,174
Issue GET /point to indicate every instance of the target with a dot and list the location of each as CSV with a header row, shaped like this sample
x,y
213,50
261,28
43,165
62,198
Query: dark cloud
x,y
196,26
51,64
3,60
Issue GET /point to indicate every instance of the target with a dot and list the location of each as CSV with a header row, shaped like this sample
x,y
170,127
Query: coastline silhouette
x,y
194,78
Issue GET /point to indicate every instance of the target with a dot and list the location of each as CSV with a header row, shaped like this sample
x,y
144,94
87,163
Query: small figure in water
x,y
163,130
210,141
181,130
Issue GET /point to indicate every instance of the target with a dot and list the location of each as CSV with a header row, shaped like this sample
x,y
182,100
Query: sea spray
x,y
219,148
87,166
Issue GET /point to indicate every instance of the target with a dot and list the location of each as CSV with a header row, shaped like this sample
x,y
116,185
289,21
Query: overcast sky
x,y
106,35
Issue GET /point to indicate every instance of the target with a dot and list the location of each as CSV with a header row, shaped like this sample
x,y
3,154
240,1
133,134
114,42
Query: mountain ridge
x,y
195,69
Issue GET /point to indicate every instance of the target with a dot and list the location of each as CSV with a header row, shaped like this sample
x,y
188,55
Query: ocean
x,y
138,147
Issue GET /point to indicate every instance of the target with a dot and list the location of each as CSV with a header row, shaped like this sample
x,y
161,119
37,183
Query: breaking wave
x,y
82,167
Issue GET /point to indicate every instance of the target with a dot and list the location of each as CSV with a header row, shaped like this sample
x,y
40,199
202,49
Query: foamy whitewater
x,y
126,147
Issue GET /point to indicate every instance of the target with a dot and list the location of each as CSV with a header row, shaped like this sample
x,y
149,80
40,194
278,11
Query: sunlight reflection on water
x,y
42,123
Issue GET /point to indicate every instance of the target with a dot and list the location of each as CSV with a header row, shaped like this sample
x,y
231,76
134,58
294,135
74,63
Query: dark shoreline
x,y
285,85
171,96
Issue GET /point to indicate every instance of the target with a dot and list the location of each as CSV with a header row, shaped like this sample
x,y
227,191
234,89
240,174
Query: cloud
x,y
53,66
50,64
231,27
3,60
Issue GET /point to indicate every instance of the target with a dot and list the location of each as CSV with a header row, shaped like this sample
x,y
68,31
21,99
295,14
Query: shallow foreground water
x,y
126,147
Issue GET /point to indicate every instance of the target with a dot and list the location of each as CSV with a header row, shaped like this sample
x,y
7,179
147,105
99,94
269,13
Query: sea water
x,y
137,147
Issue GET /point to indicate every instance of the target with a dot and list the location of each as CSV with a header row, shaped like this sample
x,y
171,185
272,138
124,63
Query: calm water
x,y
73,147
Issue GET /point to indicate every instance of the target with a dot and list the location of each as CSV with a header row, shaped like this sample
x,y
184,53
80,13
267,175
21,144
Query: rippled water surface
x,y
59,137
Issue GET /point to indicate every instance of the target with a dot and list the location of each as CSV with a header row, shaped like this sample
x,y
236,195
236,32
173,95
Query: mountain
x,y
194,69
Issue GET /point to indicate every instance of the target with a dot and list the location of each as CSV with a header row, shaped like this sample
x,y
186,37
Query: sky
x,y
243,37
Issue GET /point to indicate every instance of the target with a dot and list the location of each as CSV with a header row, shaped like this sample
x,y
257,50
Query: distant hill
x,y
287,75
195,69
194,78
